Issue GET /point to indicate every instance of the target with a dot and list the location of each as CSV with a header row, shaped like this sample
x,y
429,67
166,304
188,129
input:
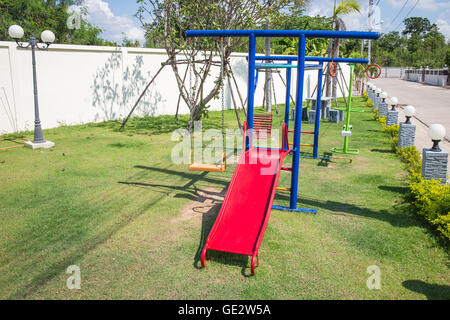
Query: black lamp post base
x,y
45,145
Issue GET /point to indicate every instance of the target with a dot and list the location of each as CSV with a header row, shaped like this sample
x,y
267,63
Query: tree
x,y
268,83
344,8
447,57
296,21
37,15
166,22
418,26
421,45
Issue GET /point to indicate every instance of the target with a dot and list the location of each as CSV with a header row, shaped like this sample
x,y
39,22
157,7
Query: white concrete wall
x,y
436,80
81,84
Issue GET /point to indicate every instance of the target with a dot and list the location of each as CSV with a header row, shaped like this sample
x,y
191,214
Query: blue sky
x,y
115,17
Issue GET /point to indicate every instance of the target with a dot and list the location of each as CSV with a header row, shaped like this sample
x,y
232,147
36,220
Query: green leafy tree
x,y
36,16
418,26
166,21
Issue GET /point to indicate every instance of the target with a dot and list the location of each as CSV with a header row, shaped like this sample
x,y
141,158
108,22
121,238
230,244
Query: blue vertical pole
x,y
287,108
298,121
288,94
318,110
251,84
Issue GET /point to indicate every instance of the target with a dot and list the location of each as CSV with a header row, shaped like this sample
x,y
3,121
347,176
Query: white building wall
x,y
81,84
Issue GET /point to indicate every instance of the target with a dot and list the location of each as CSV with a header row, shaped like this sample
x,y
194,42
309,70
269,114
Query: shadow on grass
x,y
401,190
208,220
383,150
399,218
69,257
431,291
190,191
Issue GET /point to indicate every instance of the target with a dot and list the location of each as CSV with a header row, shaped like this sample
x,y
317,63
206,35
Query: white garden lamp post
x,y
409,112
394,102
16,32
436,133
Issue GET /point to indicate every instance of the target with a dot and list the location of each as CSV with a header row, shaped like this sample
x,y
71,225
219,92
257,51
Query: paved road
x,y
432,103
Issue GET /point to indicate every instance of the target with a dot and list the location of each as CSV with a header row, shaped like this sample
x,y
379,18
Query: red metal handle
x,y
332,73
373,65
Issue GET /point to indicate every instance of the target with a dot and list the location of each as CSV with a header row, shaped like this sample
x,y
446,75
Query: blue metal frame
x,y
301,58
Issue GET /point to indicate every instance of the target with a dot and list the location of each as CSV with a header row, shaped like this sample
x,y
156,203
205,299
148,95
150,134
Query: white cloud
x,y
113,26
444,28
353,22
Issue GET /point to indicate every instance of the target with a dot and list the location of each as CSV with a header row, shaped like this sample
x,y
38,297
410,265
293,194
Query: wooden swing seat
x,y
207,167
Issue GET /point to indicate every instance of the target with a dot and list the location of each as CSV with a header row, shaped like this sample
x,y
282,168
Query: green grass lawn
x,y
115,205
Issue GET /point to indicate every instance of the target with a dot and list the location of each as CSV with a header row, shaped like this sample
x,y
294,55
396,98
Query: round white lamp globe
x,y
436,131
409,111
384,95
394,101
378,91
47,36
15,32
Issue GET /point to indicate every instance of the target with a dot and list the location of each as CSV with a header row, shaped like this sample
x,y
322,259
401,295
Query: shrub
x,y
411,157
431,200
365,95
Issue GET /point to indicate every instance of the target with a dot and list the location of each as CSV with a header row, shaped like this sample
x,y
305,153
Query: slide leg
x,y
254,256
204,256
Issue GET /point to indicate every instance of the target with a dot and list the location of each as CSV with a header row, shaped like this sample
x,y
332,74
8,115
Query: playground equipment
x,y
197,166
287,64
347,133
245,212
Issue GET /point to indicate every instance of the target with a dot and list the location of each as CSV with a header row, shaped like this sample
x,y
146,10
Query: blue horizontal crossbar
x,y
274,66
311,59
284,33
294,210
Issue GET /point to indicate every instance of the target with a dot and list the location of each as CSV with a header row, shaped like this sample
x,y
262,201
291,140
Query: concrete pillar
x,y
341,115
376,102
334,116
434,165
383,109
406,135
312,116
392,117
325,112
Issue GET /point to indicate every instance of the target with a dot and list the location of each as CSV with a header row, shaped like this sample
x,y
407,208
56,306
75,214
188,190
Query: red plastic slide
x,y
245,212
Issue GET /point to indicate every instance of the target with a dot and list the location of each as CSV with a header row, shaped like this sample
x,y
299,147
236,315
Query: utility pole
x,y
370,28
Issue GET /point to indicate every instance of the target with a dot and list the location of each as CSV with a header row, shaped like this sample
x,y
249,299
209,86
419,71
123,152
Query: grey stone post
x,y
392,117
434,165
312,116
406,135
383,109
376,103
341,115
334,116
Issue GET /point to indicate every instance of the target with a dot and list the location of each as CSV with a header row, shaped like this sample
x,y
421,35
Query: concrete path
x,y
432,103
432,106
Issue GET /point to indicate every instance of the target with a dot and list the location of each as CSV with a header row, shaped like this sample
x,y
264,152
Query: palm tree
x,y
344,8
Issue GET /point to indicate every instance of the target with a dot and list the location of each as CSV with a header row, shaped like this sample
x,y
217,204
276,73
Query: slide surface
x,y
245,212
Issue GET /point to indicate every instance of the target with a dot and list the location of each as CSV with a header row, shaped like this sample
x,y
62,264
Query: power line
x,y
407,15
404,5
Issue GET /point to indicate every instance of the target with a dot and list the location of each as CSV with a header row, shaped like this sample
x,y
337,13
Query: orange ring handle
x,y
332,73
373,65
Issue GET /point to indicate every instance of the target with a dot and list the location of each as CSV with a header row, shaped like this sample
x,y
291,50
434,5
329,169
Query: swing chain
x,y
222,77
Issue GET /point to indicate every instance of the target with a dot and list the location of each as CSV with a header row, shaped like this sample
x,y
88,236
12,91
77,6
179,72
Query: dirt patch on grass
x,y
206,203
